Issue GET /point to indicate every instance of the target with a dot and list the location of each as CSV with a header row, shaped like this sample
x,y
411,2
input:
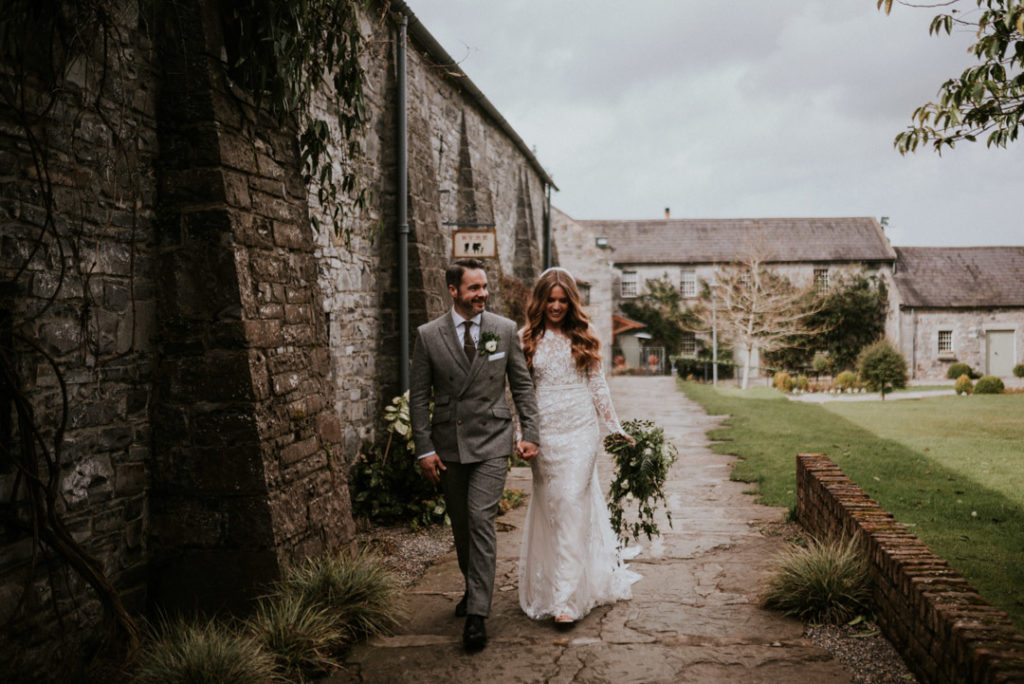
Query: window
x,y
688,283
584,289
629,280
821,280
945,342
688,344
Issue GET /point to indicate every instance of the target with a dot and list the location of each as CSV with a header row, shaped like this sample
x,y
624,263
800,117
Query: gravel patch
x,y
864,651
406,552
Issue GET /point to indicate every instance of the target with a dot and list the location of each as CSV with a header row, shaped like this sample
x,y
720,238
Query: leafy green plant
x,y
964,385
1018,370
821,583
846,380
783,381
641,469
882,367
802,383
354,589
385,483
184,652
959,368
989,384
303,638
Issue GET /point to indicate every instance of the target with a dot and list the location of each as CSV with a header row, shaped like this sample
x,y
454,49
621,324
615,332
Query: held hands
x,y
432,466
527,450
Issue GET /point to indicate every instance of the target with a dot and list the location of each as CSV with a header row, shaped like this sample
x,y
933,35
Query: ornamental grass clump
x,y
356,590
640,473
824,583
184,652
783,381
305,639
846,380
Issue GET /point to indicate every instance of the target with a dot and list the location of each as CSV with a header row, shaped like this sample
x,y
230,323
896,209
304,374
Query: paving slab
x,y
694,617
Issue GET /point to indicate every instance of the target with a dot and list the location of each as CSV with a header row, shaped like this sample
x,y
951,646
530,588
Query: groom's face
x,y
470,297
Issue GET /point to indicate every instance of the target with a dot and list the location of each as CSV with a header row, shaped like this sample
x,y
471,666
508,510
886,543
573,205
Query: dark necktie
x,y
467,342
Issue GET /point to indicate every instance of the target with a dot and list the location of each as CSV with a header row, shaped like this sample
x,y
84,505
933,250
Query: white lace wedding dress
x,y
570,559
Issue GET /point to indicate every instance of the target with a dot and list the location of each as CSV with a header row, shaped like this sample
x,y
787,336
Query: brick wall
x,y
945,631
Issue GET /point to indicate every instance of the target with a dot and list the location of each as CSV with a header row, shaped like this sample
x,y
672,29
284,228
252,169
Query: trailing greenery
x,y
987,98
989,384
288,50
957,369
821,583
948,468
882,367
187,652
964,385
641,469
385,482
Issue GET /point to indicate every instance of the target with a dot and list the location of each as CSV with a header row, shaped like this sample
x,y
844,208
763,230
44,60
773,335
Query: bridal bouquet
x,y
640,472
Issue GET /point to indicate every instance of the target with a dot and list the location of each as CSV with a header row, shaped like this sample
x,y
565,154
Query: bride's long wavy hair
x,y
586,349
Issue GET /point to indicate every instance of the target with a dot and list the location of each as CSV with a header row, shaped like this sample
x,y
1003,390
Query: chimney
x,y
667,213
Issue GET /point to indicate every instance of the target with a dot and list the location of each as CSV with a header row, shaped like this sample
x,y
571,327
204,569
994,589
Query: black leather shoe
x,y
460,607
474,636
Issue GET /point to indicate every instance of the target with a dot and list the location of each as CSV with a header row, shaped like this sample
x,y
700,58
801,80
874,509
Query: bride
x,y
570,560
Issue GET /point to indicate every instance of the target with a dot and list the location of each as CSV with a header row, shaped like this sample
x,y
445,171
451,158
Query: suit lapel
x,y
454,344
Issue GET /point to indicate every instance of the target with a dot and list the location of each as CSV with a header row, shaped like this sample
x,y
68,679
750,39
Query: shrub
x,y
822,583
783,381
356,590
989,384
303,638
182,652
846,380
802,383
882,366
821,362
964,385
1018,370
957,369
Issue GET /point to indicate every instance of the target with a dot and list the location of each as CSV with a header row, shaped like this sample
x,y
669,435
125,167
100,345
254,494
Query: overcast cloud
x,y
743,108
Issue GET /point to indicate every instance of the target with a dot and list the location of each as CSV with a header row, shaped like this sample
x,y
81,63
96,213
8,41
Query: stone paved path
x,y
694,615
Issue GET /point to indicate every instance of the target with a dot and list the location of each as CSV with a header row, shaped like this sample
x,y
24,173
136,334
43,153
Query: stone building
x,y
961,304
688,252
188,362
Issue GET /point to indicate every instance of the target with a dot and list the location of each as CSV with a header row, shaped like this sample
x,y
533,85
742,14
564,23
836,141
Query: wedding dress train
x,y
570,560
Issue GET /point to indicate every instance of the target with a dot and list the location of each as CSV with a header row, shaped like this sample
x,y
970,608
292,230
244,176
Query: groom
x,y
464,356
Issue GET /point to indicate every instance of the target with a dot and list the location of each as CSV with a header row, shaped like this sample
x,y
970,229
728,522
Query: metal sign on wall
x,y
481,244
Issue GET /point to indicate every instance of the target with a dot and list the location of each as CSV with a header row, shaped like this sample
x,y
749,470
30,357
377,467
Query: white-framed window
x,y
688,344
821,280
945,343
688,283
629,283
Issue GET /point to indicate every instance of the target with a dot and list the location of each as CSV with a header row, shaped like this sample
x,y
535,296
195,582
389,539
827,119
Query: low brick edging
x,y
940,624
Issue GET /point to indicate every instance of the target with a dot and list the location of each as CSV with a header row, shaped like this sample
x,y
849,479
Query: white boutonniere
x,y
489,343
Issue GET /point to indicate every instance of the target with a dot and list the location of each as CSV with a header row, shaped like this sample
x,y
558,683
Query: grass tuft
x,y
824,582
356,590
303,638
189,652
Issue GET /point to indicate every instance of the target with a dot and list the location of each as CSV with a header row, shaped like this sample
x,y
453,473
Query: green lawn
x,y
952,468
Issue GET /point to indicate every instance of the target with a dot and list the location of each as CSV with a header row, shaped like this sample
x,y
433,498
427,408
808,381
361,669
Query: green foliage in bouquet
x,y
640,473
386,483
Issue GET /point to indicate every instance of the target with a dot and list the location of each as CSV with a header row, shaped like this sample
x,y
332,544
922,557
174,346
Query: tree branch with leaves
x,y
986,99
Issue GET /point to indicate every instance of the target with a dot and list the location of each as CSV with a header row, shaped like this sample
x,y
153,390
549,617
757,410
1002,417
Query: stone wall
x,y
918,338
223,360
945,631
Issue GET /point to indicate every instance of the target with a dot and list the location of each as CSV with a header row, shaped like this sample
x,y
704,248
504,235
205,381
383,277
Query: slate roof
x,y
953,277
696,241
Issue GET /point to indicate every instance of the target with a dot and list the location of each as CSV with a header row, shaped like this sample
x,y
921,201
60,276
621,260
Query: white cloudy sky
x,y
734,108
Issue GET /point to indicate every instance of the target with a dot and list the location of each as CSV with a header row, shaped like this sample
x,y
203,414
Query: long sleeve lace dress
x,y
570,560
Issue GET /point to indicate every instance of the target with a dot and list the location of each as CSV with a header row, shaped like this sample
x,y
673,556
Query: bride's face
x,y
557,306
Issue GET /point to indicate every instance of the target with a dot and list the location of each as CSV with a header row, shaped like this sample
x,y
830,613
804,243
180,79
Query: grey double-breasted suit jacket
x,y
472,420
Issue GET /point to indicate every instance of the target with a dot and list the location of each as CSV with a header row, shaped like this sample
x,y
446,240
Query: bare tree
x,y
757,310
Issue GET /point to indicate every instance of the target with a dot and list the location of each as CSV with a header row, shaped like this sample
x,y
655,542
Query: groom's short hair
x,y
453,274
